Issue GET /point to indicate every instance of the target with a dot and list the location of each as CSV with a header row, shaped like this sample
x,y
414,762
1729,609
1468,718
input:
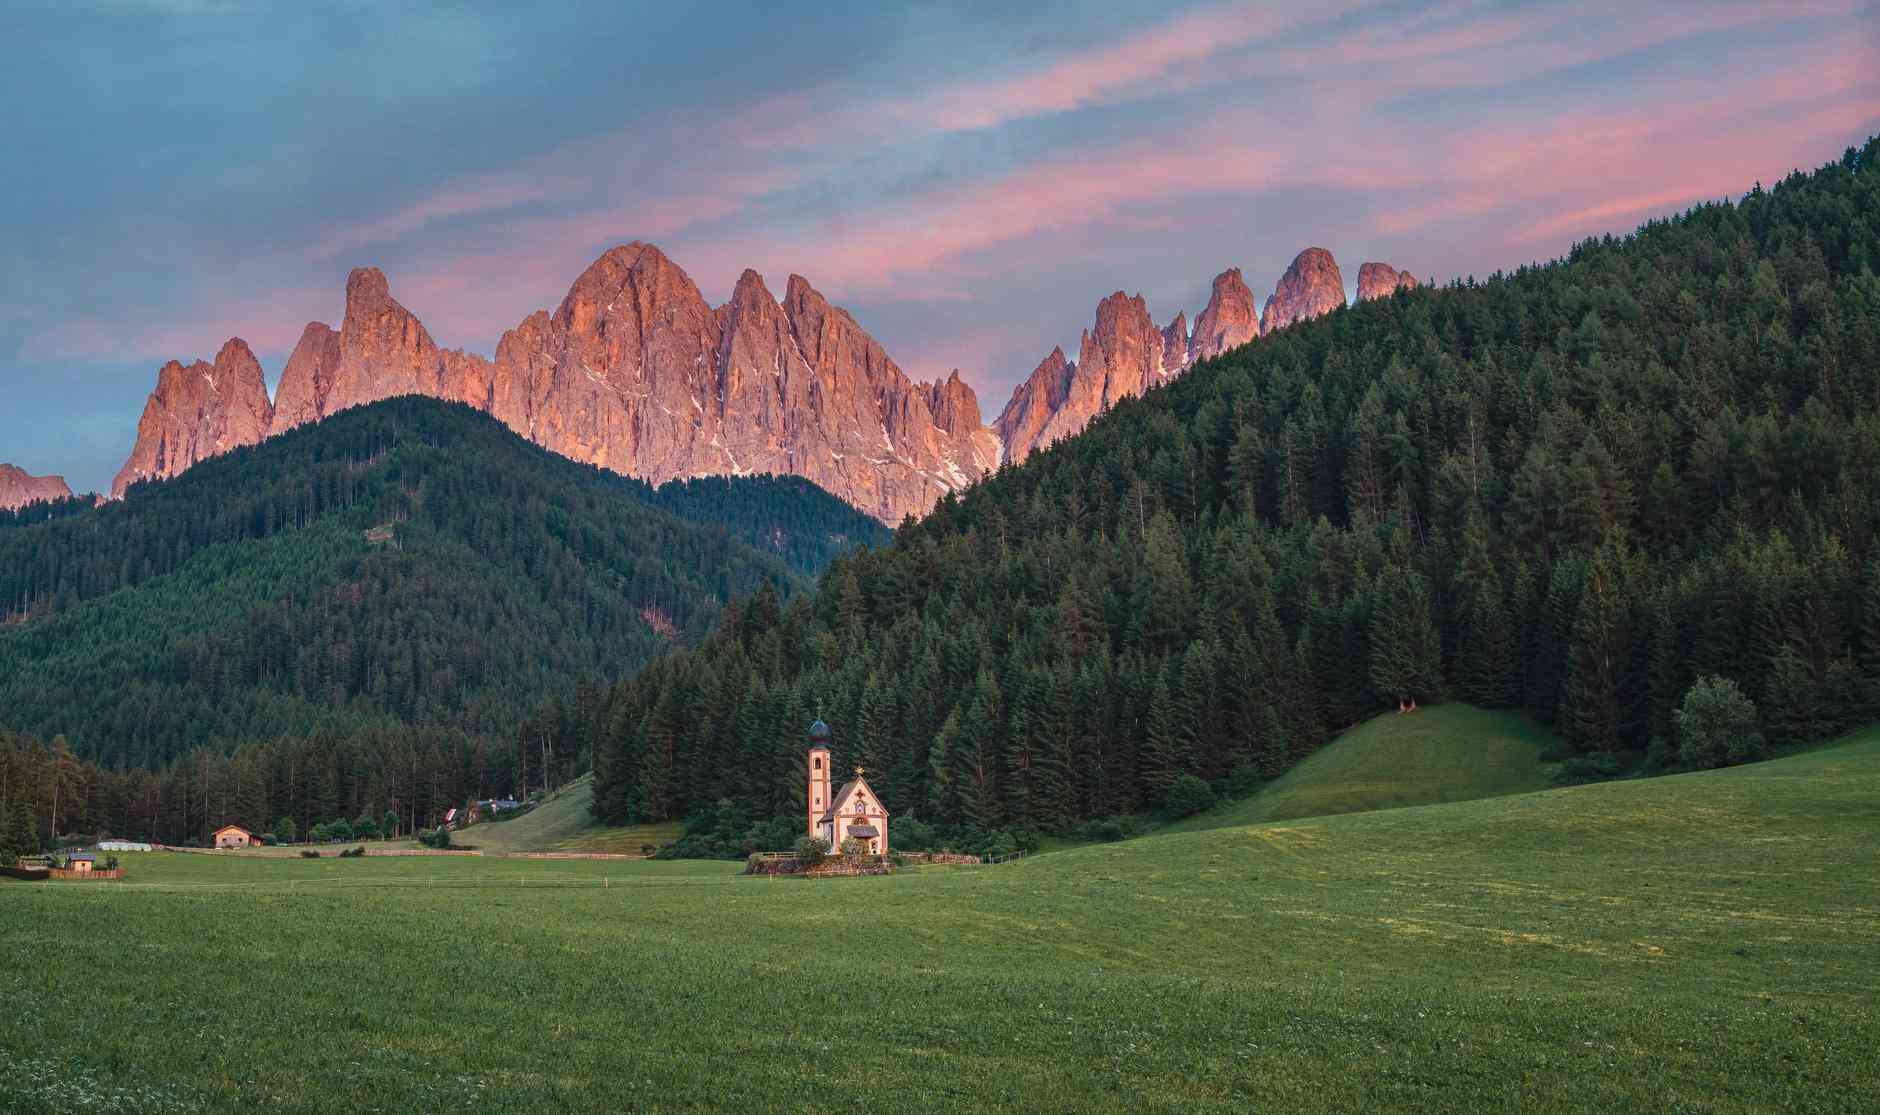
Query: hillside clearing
x,y
1439,753
565,823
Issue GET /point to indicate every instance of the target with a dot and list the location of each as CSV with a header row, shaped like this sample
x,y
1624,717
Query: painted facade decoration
x,y
852,811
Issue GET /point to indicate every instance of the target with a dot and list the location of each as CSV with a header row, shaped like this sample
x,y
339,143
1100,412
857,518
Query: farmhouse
x,y
853,811
234,836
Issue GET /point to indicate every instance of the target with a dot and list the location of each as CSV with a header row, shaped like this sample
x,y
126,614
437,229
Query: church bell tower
x,y
818,799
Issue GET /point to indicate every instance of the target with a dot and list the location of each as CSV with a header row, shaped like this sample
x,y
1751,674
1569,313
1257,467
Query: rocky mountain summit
x,y
19,488
1381,280
1310,287
1124,353
199,411
634,372
1230,320
1060,396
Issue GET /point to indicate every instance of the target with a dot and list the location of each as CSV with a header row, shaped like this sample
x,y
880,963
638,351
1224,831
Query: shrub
x,y
353,853
853,848
998,844
438,837
649,850
811,850
110,863
1717,725
1600,766
1187,796
285,830
309,853
1244,781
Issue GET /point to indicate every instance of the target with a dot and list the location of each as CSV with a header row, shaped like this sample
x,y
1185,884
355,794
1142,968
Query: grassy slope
x,y
563,823
1703,942
1442,753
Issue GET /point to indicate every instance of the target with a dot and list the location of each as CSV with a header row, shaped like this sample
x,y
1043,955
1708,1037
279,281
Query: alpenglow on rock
x,y
1310,287
1124,354
19,488
1381,280
198,412
1230,320
1115,360
634,372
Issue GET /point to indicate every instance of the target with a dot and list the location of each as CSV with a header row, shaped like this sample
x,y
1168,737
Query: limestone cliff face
x,y
307,380
19,488
196,412
1310,287
1021,424
636,372
1125,353
1230,319
1381,280
1177,351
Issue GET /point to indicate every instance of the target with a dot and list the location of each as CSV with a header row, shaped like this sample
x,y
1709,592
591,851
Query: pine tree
x,y
1405,652
1167,752
1592,710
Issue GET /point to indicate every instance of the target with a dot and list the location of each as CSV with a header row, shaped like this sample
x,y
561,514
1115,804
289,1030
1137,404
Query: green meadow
x,y
1703,942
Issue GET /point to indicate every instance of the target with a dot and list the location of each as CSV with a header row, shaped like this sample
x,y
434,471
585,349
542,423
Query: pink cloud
x,y
1108,70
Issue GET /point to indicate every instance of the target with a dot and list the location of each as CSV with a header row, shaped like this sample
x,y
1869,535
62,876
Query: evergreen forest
x,y
388,604
1577,489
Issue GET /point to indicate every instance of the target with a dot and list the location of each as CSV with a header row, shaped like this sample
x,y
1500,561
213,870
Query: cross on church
x,y
858,772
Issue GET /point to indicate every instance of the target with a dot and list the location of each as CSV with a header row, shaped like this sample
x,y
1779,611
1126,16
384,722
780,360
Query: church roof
x,y
819,732
866,832
842,798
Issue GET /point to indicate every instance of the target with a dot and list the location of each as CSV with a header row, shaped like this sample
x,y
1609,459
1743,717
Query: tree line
x,y
411,562
1588,490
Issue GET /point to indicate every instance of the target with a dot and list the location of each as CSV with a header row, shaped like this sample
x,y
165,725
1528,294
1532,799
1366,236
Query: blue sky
x,y
967,179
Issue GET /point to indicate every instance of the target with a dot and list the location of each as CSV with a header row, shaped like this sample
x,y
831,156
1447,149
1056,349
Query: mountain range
x,y
635,372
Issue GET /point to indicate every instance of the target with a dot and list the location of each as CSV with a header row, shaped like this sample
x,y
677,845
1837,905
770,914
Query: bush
x,y
1600,766
353,853
1109,830
998,844
1717,725
649,850
811,850
285,831
110,863
852,848
309,853
1187,796
438,837
1244,781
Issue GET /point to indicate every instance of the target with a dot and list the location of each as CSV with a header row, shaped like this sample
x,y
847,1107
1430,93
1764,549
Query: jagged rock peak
x,y
19,488
307,379
1230,320
1021,424
1381,280
1176,354
1310,287
634,372
196,412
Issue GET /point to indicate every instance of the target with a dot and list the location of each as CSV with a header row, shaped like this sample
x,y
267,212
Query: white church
x,y
852,811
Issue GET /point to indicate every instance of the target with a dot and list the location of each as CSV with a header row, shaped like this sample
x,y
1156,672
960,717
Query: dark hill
x,y
409,562
1570,490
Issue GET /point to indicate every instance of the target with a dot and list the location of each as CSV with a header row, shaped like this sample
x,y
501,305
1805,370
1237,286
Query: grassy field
x,y
1437,754
1705,942
564,824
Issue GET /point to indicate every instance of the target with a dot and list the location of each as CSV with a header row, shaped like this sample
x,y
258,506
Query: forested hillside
x,y
1572,489
407,563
